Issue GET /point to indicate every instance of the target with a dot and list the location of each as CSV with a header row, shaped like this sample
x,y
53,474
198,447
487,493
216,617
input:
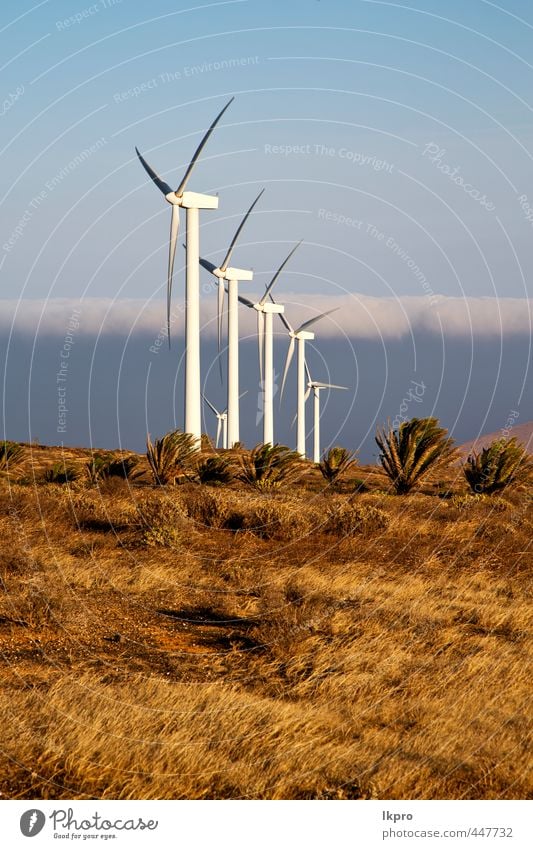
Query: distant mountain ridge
x,y
523,433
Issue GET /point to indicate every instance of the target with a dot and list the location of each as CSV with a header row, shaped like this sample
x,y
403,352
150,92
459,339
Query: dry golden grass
x,y
190,642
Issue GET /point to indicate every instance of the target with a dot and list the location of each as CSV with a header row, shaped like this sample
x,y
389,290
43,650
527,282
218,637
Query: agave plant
x,y
60,473
503,462
269,466
10,455
215,471
335,463
102,468
171,456
415,448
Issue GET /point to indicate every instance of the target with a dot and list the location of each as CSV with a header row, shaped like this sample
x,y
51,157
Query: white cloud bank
x,y
357,316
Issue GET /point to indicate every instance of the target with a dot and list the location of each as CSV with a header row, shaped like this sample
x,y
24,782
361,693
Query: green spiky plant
x,y
500,464
215,471
60,473
11,454
336,463
102,468
268,466
417,447
172,456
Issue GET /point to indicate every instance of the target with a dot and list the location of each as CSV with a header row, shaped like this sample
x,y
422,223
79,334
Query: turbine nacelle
x,y
302,335
273,309
194,200
243,275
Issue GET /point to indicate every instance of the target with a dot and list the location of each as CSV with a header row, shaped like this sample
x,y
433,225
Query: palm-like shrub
x,y
415,448
502,463
10,455
171,456
60,473
102,468
335,463
215,471
270,466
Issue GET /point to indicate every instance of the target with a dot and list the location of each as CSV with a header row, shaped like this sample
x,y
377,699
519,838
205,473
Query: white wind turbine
x,y
300,336
265,311
233,276
222,423
315,387
192,202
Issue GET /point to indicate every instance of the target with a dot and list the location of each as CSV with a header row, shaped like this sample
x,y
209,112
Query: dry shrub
x,y
208,509
346,518
92,512
163,521
269,518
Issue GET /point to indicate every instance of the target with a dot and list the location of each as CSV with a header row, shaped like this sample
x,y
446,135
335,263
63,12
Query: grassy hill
x,y
199,642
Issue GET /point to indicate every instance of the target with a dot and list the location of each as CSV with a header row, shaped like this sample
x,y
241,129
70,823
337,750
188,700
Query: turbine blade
x,y
197,152
220,311
308,373
238,233
174,227
209,266
329,386
243,394
290,353
219,428
315,319
210,405
307,394
284,320
278,272
245,301
294,420
260,341
161,185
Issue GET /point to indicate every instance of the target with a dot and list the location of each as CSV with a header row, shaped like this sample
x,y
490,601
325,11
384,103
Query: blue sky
x,y
360,118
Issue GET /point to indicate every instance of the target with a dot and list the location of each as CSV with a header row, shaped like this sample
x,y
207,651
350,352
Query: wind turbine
x,y
265,311
300,336
192,202
315,387
222,423
233,276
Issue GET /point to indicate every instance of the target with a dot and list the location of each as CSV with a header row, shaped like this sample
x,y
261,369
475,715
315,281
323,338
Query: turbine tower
x,y
222,423
192,202
300,336
265,311
232,276
315,387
